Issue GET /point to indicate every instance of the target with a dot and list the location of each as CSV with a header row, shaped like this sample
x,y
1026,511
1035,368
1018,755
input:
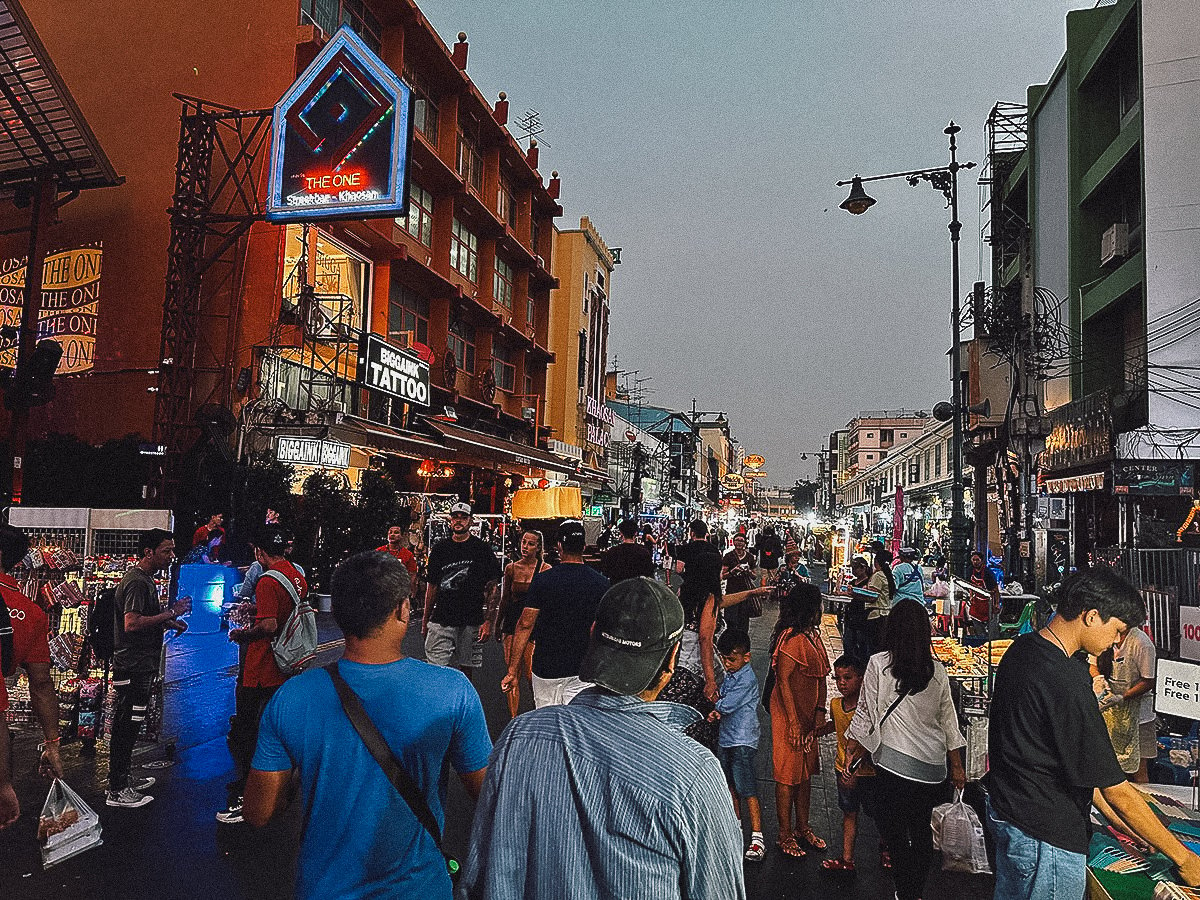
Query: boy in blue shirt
x,y
737,710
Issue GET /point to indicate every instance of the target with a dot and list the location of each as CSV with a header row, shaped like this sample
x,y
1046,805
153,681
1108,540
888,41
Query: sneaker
x,y
141,785
232,815
757,849
127,798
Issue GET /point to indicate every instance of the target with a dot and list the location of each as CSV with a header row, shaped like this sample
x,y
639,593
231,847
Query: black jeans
x,y
133,698
903,811
249,703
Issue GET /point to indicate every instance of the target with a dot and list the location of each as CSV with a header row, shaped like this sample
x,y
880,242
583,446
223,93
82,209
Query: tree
x,y
804,495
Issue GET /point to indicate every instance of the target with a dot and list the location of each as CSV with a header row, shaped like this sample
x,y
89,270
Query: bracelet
x,y
46,744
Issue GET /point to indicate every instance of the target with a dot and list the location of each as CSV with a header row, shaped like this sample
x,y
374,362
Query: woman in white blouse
x,y
907,723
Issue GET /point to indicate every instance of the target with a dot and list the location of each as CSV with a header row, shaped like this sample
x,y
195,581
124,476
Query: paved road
x,y
174,849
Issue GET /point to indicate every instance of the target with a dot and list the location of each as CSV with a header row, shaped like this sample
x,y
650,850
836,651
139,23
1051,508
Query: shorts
x,y
556,691
861,796
1148,740
454,645
738,763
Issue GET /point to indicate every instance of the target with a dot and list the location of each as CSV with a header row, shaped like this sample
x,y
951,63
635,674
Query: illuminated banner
x,y
308,451
70,299
340,138
393,371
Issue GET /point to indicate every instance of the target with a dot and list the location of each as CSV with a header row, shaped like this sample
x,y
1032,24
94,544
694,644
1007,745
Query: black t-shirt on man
x,y
770,551
136,652
461,571
1047,744
566,598
626,561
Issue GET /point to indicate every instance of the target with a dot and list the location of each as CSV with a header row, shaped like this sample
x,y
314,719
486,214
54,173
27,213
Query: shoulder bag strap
x,y
400,779
891,709
276,575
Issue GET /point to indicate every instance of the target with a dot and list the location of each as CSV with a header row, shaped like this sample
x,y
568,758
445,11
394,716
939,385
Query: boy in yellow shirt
x,y
854,786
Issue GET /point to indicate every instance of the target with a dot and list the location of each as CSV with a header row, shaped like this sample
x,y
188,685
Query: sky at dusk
x,y
705,138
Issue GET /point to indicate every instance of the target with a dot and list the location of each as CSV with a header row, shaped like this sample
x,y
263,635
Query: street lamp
x,y
945,180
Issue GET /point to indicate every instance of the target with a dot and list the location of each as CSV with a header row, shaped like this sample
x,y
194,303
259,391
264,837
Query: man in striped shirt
x,y
606,797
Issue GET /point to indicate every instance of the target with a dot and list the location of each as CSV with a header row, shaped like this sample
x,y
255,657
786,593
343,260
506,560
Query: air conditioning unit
x,y
529,413
1114,244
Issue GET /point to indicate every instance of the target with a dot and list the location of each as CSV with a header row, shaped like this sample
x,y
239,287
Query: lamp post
x,y
945,180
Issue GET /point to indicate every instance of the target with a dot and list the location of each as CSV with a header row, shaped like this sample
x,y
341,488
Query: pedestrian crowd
x,y
635,773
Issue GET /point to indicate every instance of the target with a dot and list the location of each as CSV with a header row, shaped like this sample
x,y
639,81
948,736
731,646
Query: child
x,y
737,710
854,788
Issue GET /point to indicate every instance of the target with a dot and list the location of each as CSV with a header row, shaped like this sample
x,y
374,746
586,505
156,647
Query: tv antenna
x,y
530,126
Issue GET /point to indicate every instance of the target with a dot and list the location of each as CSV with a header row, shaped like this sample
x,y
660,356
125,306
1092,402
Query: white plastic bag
x,y
67,827
958,833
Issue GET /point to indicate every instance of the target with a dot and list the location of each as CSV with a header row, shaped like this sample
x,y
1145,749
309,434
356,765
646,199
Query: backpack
x,y
8,658
102,624
295,644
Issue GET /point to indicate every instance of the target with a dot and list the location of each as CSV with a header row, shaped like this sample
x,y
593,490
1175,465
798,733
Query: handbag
x,y
400,779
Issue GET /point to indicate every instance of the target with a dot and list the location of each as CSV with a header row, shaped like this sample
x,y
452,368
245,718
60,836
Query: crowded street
x,y
513,451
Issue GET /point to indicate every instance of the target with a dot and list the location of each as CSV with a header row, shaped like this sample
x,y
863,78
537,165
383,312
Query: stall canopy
x,y
497,450
551,503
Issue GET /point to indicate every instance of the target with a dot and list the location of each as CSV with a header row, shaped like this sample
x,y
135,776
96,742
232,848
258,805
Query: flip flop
x,y
837,865
812,840
789,847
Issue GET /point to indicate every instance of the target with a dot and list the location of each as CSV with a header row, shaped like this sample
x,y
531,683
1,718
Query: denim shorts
x,y
861,796
1029,869
738,763
450,645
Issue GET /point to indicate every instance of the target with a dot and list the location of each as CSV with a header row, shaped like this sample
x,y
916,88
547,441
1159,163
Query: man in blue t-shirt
x,y
361,839
910,582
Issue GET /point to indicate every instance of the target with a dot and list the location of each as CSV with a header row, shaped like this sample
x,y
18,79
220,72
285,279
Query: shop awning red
x,y
498,450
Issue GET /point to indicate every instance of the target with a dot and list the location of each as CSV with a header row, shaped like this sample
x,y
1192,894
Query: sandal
x,y
788,847
812,840
837,865
757,850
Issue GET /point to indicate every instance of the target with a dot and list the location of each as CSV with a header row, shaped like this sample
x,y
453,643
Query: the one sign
x,y
308,451
1177,689
754,461
1144,477
340,138
70,301
1189,632
388,369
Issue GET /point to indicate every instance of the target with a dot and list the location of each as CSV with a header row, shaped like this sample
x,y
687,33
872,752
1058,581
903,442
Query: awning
x,y
360,432
497,450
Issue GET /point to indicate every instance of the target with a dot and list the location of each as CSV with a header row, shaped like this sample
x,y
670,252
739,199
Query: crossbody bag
x,y
873,735
395,772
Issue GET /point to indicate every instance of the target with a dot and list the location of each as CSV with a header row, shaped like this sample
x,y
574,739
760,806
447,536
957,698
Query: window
x,y
425,111
464,251
462,344
419,221
937,461
341,280
583,348
329,14
886,436
503,367
927,454
529,310
535,234
469,163
870,456
502,284
408,315
529,387
506,204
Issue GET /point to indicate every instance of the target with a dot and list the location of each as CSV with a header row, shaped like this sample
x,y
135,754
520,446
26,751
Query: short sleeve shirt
x,y
741,581
1138,654
627,561
566,598
271,601
137,652
1048,748
30,631
460,570
404,555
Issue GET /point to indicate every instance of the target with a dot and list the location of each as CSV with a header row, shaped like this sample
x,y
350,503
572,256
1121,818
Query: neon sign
x,y
340,139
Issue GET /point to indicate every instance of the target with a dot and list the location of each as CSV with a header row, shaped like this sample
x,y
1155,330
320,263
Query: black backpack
x,y
102,624
8,657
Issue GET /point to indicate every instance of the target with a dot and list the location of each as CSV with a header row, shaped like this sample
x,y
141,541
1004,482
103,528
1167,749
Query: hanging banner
x,y
70,301
340,138
898,521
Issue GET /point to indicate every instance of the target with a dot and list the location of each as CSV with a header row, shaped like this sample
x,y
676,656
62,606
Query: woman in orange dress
x,y
799,666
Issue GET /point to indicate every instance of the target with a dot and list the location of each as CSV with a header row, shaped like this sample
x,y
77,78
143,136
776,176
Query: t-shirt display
x,y
360,838
627,561
1047,744
271,601
461,570
137,652
567,598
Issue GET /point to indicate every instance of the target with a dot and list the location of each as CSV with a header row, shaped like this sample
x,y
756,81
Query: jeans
x,y
1029,869
133,698
903,812
249,703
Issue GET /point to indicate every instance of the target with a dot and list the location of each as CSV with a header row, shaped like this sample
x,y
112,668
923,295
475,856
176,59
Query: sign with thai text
x,y
340,138
69,304
309,451
388,369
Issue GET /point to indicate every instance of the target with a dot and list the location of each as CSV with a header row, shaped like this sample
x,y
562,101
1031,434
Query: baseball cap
x,y
271,539
461,507
638,623
571,530
908,553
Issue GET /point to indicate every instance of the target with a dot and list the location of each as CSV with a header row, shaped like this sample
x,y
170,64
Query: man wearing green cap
x,y
606,796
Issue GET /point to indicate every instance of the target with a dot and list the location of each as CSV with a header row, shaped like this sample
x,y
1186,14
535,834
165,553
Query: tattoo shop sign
x,y
307,451
69,303
392,371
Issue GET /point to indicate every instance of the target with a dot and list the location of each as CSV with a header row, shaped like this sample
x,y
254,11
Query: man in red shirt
x,y
275,596
210,528
396,546
31,650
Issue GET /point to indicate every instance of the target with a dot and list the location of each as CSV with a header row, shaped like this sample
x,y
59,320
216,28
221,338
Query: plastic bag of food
x,y
958,833
67,827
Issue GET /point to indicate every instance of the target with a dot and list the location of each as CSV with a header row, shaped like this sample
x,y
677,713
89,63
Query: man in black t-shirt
x,y
628,559
560,609
698,558
769,550
1050,754
462,572
738,572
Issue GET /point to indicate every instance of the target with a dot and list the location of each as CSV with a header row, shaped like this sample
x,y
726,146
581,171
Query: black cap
x,y
638,623
571,534
271,539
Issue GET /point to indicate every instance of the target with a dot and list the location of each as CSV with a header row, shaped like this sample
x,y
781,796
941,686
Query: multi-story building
x,y
463,280
579,420
872,435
